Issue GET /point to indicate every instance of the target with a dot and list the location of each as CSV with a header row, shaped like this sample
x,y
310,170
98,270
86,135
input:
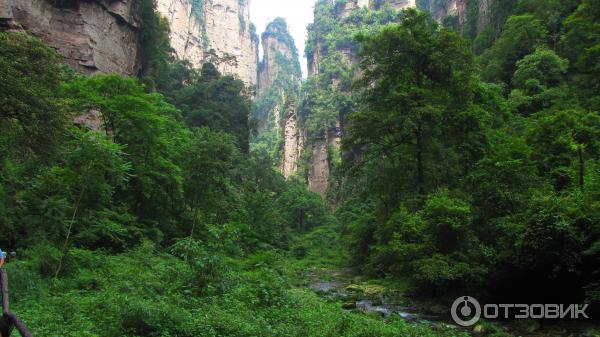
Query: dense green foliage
x,y
148,216
327,97
470,162
466,185
152,293
154,176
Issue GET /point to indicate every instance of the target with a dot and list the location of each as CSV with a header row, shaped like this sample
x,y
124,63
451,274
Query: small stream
x,y
337,286
344,286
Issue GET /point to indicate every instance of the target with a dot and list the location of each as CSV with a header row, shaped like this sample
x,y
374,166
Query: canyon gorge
x,y
304,137
299,168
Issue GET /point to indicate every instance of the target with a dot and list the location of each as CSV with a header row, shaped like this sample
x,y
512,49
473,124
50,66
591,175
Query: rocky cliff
x,y
93,36
449,9
293,144
103,35
214,30
484,14
319,167
278,87
377,4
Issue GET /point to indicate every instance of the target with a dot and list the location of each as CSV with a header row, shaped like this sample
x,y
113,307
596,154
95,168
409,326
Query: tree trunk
x,y
64,248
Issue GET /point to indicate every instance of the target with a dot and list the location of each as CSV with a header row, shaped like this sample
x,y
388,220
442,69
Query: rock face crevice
x,y
93,36
213,30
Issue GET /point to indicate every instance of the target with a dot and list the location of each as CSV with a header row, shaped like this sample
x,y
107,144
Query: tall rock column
x,y
280,57
293,144
278,87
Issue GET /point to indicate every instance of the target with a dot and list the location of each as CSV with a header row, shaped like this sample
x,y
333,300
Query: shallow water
x,y
333,285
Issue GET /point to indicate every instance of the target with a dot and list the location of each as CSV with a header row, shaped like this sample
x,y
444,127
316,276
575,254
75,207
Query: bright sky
x,y
297,13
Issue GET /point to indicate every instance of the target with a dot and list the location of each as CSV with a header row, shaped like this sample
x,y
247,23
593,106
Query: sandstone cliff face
x,y
93,36
103,35
459,8
228,32
312,61
199,27
401,4
186,35
352,5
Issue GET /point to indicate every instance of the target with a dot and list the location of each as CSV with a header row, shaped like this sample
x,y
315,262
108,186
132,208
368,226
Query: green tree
x,y
221,103
520,36
156,56
206,161
302,210
34,126
581,44
453,254
147,126
539,82
564,141
502,182
33,118
416,75
550,12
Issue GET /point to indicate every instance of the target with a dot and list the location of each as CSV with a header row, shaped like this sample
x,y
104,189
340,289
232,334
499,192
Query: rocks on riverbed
x,y
369,298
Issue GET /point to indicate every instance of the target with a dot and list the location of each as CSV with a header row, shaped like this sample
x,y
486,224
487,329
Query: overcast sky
x,y
297,13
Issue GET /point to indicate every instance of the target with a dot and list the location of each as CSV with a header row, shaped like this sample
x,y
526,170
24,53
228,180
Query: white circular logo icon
x,y
466,311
